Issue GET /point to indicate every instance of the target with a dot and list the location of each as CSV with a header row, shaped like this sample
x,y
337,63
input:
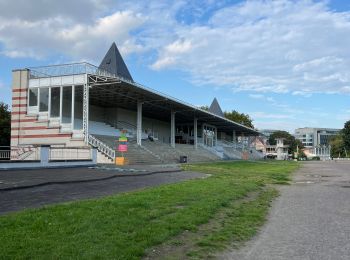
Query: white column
x,y
172,129
234,136
73,103
139,124
85,112
195,125
216,136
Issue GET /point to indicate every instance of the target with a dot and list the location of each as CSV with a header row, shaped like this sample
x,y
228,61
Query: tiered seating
x,y
171,155
100,128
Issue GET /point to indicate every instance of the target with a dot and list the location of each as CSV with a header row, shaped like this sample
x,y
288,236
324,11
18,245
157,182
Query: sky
x,y
285,63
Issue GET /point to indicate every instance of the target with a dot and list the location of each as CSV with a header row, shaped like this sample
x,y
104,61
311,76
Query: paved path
x,y
14,179
14,200
310,220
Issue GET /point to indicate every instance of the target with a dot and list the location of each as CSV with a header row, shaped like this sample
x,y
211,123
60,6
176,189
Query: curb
x,y
82,181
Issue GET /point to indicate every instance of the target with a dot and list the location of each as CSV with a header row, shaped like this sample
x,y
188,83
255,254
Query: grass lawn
x,y
125,226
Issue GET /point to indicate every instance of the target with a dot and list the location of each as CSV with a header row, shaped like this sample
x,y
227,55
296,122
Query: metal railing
x,y
102,147
70,153
67,69
5,154
19,153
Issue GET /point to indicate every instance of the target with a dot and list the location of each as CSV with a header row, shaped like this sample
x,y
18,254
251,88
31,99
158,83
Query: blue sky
x,y
285,63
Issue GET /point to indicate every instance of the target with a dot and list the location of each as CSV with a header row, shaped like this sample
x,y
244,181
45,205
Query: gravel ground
x,y
15,200
310,220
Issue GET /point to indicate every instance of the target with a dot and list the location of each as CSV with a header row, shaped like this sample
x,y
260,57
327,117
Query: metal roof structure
x,y
111,85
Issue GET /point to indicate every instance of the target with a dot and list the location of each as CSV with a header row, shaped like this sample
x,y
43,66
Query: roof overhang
x,y
118,92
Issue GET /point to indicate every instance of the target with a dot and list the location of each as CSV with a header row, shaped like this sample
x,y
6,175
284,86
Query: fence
x,y
19,153
70,153
46,157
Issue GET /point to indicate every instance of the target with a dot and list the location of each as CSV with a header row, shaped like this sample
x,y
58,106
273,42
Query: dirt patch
x,y
180,246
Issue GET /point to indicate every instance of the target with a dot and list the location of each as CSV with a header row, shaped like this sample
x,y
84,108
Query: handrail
x,y
150,152
102,147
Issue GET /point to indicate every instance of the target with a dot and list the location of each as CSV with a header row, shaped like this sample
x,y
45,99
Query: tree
x,y
346,135
290,140
5,124
241,118
206,108
337,146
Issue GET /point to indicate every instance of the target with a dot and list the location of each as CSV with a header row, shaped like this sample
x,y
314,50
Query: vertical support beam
x,y
172,129
73,103
139,124
195,126
86,112
215,136
234,139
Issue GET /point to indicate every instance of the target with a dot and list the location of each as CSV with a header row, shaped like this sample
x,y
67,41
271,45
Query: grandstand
x,y
82,105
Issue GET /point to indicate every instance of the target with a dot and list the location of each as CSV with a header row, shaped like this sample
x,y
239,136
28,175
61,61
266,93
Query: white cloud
x,y
268,46
38,39
297,47
263,115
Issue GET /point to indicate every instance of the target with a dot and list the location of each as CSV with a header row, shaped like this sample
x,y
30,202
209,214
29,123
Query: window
x,y
33,97
43,99
67,105
55,102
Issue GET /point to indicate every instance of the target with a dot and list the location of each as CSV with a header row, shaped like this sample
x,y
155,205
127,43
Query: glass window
x,y
44,99
78,107
33,97
55,102
67,105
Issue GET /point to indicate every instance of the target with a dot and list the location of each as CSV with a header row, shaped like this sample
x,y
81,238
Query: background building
x,y
316,140
313,137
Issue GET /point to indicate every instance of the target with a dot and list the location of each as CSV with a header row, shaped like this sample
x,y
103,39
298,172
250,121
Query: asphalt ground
x,y
37,196
309,221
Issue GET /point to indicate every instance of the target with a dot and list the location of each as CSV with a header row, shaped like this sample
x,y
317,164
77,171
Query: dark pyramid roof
x,y
114,63
215,108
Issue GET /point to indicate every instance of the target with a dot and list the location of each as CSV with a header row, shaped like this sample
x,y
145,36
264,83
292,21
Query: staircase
x,y
135,154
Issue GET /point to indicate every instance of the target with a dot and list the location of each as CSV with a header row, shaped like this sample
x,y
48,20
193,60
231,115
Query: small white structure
x,y
281,149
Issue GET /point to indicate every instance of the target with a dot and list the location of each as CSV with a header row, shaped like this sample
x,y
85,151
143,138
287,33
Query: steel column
x,y
172,129
195,140
139,124
86,112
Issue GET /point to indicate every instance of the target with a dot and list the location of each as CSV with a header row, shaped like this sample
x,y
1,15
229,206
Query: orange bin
x,y
119,160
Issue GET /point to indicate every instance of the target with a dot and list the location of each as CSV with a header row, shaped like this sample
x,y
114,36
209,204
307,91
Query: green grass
x,y
124,226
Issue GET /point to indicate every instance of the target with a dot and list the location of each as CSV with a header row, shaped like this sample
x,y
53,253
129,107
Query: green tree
x,y
337,146
346,135
5,124
206,108
290,140
241,118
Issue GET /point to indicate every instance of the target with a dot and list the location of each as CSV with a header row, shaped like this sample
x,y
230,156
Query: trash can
x,y
183,159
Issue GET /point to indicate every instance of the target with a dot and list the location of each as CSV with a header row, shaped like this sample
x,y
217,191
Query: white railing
x,y
236,145
150,152
102,147
5,154
19,153
70,153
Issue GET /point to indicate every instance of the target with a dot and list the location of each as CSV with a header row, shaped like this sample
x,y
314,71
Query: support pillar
x,y
195,126
139,124
172,129
234,139
85,112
